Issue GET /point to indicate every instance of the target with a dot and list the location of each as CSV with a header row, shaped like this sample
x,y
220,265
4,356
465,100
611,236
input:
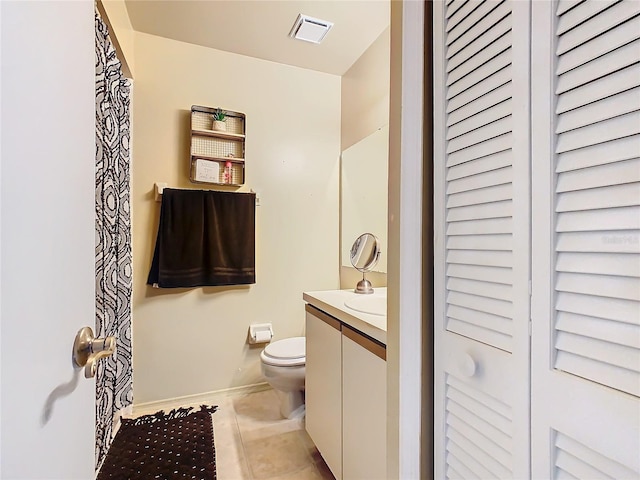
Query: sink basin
x,y
371,304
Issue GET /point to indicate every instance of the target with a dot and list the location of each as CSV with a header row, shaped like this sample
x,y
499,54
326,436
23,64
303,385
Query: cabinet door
x,y
323,385
364,408
586,247
481,215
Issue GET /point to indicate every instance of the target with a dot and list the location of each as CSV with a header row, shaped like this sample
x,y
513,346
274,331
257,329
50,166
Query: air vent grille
x,y
310,29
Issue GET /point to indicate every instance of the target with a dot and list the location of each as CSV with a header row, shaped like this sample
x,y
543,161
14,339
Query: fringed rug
x,y
174,445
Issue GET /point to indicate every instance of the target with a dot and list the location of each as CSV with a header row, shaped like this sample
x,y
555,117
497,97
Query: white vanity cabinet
x,y
364,407
323,386
346,397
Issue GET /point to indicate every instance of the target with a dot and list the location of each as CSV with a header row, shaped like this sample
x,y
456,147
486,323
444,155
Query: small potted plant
x,y
219,119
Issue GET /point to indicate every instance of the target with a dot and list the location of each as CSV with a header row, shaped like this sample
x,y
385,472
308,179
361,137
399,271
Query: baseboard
x,y
200,398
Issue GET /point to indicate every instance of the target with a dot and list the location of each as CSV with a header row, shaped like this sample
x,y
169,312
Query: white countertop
x,y
333,303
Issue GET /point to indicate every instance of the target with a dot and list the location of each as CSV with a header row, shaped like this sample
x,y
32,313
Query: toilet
x,y
283,366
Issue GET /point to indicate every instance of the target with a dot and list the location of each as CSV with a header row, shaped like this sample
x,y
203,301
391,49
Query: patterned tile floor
x,y
254,442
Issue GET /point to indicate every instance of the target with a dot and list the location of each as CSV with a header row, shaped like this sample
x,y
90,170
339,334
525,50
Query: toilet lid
x,y
286,352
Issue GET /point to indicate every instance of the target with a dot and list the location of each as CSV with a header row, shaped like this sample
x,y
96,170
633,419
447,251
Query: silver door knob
x,y
87,350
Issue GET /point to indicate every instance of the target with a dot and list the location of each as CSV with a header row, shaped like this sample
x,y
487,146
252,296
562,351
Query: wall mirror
x,y
363,207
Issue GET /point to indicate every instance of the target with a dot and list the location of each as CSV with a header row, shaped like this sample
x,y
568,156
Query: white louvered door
x,y
481,198
586,240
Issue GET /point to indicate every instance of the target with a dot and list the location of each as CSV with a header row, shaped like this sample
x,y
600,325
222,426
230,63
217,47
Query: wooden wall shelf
x,y
217,134
217,156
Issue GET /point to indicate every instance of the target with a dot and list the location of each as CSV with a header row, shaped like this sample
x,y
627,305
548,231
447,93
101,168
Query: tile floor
x,y
253,441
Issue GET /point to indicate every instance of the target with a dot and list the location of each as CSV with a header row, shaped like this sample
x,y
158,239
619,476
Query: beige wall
x,y
191,341
365,93
365,108
115,15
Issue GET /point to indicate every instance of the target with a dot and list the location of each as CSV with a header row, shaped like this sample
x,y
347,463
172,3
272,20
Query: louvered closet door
x,y
586,240
481,198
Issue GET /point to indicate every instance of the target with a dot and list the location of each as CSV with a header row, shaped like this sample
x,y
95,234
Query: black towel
x,y
205,238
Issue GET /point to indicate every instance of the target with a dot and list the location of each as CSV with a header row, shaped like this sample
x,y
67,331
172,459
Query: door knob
x,y
468,365
87,350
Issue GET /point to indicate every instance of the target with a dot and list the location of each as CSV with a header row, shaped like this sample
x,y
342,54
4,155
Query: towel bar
x,y
160,186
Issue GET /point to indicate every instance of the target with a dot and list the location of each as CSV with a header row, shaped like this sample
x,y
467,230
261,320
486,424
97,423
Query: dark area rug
x,y
164,446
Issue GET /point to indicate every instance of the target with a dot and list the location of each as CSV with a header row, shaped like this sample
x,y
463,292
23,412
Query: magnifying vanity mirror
x,y
364,254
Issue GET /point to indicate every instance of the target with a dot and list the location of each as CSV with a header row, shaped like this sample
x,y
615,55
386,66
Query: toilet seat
x,y
289,352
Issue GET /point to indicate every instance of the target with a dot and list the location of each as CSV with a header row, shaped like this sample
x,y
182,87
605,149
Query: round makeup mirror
x,y
364,254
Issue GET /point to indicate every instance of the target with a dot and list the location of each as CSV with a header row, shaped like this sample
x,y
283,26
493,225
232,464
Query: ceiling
x,y
260,28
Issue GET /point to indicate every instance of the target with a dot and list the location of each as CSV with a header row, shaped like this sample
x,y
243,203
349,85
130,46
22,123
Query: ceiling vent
x,y
310,29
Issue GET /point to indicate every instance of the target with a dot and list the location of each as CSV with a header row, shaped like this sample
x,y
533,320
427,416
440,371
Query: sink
x,y
371,304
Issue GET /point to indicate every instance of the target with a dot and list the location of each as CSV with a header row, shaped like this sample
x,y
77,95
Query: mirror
x,y
363,206
364,255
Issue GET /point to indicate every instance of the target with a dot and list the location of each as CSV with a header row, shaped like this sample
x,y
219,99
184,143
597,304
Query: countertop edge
x,y
352,320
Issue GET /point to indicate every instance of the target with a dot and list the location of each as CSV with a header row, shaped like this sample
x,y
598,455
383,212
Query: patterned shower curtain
x,y
114,390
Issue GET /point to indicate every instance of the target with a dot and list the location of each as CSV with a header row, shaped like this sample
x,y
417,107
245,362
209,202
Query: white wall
x,y
406,283
191,341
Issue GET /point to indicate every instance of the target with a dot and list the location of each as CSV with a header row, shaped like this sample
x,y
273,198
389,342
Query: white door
x,y
47,238
586,240
481,202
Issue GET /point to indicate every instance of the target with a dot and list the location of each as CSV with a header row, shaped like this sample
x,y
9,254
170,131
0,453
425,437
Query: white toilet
x,y
283,366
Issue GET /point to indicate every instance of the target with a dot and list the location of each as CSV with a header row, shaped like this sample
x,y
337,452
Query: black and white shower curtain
x,y
114,390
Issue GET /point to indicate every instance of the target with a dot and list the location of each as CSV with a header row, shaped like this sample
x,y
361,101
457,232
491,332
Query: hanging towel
x,y
205,238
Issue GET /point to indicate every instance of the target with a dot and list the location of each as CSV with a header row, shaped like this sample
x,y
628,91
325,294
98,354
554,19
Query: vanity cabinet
x,y
346,395
323,386
364,407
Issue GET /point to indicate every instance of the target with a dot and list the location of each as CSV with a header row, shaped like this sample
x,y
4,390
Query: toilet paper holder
x,y
260,333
